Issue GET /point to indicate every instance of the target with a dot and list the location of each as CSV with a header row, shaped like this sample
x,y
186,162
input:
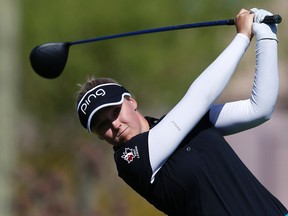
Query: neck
x,y
144,123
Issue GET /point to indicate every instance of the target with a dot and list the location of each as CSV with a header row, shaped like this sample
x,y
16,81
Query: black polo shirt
x,y
204,176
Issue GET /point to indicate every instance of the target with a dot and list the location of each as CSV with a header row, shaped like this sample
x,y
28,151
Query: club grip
x,y
272,19
268,20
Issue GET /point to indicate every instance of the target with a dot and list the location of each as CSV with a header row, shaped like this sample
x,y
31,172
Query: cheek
x,y
108,134
135,124
132,117
108,137
103,134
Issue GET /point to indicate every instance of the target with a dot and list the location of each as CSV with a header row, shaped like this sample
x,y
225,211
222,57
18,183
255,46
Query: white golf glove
x,y
262,30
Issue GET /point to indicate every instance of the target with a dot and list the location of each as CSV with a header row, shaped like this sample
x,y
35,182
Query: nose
x,y
116,124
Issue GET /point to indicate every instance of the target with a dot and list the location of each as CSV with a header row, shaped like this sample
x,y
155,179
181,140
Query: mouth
x,y
120,134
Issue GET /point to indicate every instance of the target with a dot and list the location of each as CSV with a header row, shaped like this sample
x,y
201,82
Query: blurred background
x,y
49,165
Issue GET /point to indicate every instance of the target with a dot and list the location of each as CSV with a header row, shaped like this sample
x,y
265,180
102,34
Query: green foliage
x,y
164,63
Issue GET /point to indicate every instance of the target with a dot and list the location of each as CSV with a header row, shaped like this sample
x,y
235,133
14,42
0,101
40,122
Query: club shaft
x,y
153,30
268,20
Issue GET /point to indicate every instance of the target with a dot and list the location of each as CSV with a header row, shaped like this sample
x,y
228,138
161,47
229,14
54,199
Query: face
x,y
118,124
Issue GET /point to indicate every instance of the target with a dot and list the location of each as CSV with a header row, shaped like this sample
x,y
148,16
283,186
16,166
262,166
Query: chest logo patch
x,y
129,154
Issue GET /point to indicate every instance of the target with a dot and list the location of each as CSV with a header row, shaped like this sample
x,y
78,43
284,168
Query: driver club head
x,y
48,60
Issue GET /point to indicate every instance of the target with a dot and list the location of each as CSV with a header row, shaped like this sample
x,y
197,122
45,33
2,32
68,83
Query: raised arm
x,y
166,136
241,115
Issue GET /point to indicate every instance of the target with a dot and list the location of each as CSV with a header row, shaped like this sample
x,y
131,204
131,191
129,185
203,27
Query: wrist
x,y
244,37
263,31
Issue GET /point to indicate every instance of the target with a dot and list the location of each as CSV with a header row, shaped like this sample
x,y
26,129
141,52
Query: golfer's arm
x,y
237,116
166,136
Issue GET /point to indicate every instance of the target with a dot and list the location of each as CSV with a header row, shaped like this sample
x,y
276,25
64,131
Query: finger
x,y
242,11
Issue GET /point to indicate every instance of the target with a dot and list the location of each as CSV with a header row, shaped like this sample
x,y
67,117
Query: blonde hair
x,y
90,83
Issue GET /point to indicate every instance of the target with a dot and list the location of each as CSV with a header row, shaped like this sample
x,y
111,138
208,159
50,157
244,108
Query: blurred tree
x,y
9,96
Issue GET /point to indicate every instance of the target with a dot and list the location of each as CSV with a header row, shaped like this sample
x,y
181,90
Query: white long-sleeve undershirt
x,y
231,117
237,116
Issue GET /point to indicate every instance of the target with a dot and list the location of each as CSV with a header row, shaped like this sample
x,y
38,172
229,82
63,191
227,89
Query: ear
x,y
133,102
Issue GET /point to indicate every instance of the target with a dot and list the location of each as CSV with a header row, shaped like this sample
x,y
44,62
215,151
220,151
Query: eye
x,y
102,122
116,111
101,126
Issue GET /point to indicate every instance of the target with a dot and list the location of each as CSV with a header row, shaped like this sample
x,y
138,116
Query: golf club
x,y
48,60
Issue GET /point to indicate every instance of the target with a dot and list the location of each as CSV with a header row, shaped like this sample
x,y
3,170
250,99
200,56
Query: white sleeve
x,y
241,115
164,138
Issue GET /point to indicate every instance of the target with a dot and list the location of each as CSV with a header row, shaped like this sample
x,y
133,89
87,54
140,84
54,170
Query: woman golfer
x,y
181,163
